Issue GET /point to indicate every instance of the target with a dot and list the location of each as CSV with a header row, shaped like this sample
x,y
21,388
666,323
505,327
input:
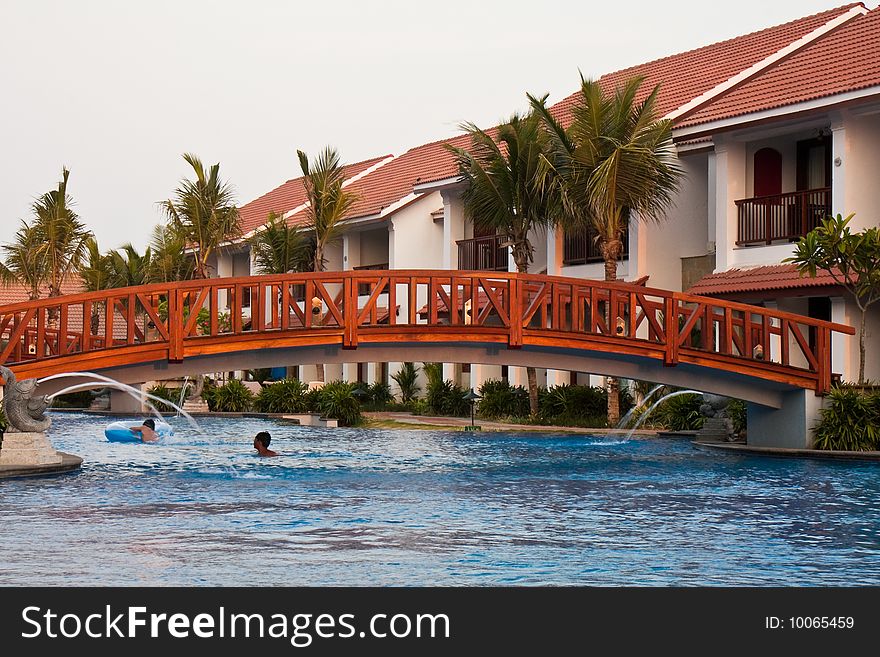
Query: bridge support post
x,y
790,426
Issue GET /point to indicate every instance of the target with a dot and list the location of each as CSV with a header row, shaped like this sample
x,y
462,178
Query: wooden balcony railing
x,y
789,216
483,254
583,247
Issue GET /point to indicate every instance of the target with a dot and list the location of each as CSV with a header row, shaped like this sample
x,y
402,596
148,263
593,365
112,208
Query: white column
x,y
351,250
711,206
224,270
449,372
558,377
350,372
775,346
453,227
730,185
482,373
555,253
838,171
839,341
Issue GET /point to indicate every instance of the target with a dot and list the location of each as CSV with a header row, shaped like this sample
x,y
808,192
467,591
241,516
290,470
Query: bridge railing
x,y
525,309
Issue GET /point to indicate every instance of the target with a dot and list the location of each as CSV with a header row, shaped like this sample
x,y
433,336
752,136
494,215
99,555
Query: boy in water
x,y
147,431
261,444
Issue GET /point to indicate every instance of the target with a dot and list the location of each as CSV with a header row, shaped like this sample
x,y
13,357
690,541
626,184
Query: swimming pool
x,y
388,507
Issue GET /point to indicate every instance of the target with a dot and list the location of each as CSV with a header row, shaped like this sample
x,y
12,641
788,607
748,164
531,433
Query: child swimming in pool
x,y
261,444
147,431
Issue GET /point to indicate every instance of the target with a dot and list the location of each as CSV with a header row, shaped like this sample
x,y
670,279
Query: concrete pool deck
x,y
786,452
69,463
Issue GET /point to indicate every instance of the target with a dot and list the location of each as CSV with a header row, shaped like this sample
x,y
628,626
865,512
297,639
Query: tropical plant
x,y
286,396
22,263
615,159
500,399
128,267
328,201
407,380
64,237
80,399
203,213
568,403
737,412
849,421
337,400
169,260
233,397
327,208
851,259
162,391
446,398
679,413
510,191
278,248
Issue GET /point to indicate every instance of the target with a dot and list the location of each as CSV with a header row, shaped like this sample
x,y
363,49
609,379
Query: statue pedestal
x,y
28,449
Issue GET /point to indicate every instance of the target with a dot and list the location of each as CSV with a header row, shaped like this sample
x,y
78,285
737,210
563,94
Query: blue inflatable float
x,y
120,432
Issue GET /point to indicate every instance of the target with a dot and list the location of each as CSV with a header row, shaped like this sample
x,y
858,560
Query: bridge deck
x,y
176,322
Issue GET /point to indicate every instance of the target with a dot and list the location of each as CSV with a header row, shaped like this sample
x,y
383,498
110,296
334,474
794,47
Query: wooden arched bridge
x,y
170,329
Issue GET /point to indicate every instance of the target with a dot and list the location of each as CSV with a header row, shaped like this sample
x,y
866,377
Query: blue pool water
x,y
381,507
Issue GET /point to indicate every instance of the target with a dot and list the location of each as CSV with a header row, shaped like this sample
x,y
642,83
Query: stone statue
x,y
24,412
717,425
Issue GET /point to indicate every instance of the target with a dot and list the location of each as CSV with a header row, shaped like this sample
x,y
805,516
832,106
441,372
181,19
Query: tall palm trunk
x,y
522,266
611,250
319,266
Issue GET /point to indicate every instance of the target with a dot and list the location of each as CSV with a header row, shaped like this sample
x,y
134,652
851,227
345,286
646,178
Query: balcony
x,y
583,247
483,253
781,217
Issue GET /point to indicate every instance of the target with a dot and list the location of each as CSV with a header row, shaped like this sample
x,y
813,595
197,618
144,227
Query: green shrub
x,y
573,402
850,421
406,379
376,397
286,396
337,400
736,411
500,399
81,399
164,392
447,398
234,397
679,413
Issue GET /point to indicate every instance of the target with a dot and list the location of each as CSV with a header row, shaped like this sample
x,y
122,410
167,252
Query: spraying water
x,y
132,390
182,393
645,415
97,384
625,419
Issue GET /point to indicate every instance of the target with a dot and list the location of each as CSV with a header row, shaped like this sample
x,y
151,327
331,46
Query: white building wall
x,y
861,166
685,232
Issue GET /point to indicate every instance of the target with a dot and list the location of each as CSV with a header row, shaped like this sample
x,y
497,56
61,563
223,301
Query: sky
x,y
118,91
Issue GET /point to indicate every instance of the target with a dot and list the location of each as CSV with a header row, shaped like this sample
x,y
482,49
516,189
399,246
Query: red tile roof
x,y
758,279
288,196
17,293
396,179
846,59
685,76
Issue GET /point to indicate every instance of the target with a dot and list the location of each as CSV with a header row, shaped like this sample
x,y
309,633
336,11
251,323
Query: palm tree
x,y
203,213
328,206
615,158
328,201
128,267
169,260
64,236
510,190
96,272
279,248
22,264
